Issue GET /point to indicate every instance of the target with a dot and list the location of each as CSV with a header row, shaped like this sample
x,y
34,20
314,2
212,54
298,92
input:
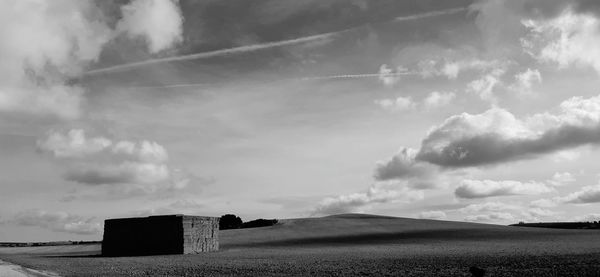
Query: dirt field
x,y
348,245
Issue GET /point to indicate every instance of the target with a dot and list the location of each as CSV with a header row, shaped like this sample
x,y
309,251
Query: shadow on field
x,y
428,236
74,256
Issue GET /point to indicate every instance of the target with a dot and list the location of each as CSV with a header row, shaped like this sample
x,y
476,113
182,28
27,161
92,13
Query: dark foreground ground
x,y
348,245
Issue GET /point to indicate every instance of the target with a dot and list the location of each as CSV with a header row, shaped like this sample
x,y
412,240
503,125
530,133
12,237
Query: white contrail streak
x,y
356,76
173,86
315,78
216,53
256,47
429,14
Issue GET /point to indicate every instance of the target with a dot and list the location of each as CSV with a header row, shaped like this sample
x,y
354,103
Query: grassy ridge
x,y
354,229
351,245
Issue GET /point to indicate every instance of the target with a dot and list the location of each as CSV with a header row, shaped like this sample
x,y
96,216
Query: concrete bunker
x,y
159,235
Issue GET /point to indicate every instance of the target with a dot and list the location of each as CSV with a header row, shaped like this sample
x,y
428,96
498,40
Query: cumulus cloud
x,y
484,87
402,166
139,166
438,99
489,188
402,104
123,173
525,80
58,222
585,195
561,179
498,212
488,207
44,45
588,194
556,32
73,144
588,217
389,76
500,20
543,203
491,217
534,214
567,39
452,68
566,155
357,202
186,206
432,215
399,104
497,136
159,22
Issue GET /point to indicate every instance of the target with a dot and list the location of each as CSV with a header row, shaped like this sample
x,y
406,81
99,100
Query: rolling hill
x,y
347,244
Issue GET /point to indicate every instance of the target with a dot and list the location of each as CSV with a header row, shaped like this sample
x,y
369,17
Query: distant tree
x,y
230,221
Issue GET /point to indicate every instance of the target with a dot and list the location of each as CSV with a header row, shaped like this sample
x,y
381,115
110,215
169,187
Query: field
x,y
348,245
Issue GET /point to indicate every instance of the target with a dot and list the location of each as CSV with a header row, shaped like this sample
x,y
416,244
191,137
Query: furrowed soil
x,y
347,245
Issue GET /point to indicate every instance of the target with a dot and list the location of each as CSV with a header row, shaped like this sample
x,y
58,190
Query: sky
x,y
468,110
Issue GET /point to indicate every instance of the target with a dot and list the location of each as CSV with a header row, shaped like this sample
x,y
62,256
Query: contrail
x,y
429,14
355,76
256,47
217,53
315,78
172,86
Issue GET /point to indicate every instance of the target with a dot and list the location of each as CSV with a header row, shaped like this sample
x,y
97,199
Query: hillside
x,y
357,229
343,245
346,230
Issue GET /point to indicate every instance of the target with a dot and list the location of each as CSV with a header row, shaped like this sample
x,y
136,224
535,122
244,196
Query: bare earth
x,y
348,245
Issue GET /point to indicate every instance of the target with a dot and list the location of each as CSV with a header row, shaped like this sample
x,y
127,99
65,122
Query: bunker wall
x,y
160,235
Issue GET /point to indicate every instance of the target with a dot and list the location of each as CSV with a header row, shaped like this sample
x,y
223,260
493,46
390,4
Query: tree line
x,y
231,221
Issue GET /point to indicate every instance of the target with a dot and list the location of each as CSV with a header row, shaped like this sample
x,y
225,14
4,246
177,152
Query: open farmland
x,y
348,245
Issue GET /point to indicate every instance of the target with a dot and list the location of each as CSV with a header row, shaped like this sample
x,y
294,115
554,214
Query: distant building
x,y
158,235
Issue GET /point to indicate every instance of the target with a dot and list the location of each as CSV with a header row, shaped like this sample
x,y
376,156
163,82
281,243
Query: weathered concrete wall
x,y
157,235
200,234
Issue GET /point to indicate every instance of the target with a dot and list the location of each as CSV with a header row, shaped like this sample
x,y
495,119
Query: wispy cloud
x,y
488,188
357,202
58,222
433,215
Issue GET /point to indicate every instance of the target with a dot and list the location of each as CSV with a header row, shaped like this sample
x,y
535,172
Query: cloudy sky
x,y
470,110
